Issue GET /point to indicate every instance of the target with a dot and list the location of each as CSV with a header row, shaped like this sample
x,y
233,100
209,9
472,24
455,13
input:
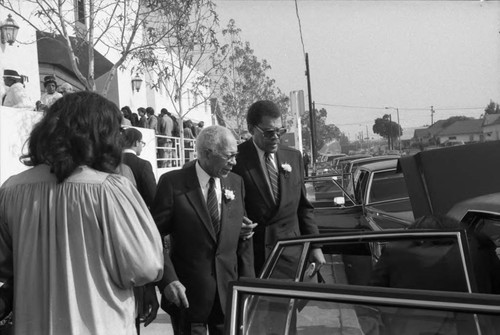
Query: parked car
x,y
301,298
337,298
380,200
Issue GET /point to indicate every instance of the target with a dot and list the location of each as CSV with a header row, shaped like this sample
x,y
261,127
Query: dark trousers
x,y
183,326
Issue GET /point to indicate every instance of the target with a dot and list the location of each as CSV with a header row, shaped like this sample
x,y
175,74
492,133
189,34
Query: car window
x,y
405,259
387,185
269,307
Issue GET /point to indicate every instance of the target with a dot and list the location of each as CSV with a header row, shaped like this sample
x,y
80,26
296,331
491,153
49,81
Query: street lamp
x,y
8,30
399,127
136,82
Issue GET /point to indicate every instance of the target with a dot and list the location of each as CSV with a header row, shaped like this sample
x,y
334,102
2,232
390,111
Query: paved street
x,y
160,326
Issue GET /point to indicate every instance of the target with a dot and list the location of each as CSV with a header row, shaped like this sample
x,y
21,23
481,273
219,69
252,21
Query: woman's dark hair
x,y
127,112
260,109
82,128
130,136
134,119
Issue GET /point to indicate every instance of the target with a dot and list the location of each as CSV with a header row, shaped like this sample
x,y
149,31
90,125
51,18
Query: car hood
x,y
438,179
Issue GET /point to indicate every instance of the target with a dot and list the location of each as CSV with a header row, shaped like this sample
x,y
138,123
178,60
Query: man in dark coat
x,y
201,208
142,169
276,200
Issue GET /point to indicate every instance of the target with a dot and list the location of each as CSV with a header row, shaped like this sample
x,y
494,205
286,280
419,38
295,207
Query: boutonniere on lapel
x,y
286,168
228,194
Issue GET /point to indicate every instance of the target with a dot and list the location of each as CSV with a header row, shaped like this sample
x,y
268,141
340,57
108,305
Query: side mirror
x,y
339,201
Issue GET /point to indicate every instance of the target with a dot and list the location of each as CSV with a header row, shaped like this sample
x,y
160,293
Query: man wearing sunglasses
x,y
274,182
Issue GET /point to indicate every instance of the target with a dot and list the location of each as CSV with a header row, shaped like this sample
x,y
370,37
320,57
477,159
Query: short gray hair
x,y
213,138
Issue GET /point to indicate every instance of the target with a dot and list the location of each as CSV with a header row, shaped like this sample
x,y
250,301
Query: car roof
x,y
489,203
381,165
373,159
439,179
352,157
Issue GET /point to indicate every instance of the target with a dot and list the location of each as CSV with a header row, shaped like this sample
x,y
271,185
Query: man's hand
x,y
247,227
318,257
150,301
175,292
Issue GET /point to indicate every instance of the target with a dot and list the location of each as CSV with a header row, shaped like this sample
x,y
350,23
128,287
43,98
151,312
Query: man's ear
x,y
250,128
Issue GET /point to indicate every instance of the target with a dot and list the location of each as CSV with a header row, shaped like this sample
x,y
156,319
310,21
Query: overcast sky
x,y
367,55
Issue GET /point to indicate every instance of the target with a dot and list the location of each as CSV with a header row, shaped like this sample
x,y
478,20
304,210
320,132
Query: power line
x,y
404,108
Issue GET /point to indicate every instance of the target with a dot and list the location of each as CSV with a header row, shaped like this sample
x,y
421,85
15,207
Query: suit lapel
x,y
257,173
195,197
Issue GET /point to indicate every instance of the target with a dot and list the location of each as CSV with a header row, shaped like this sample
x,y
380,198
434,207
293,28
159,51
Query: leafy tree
x,y
387,129
114,27
243,79
180,64
492,108
324,132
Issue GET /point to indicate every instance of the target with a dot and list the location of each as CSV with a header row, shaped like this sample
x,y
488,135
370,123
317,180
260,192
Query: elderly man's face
x,y
218,163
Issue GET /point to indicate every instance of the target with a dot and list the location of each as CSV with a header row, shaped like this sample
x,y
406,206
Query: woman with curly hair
x,y
75,237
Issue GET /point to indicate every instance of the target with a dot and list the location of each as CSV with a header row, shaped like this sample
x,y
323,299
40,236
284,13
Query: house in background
x,y
491,127
465,131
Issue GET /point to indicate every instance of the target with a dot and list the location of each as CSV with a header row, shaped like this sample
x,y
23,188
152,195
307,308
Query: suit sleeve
x,y
305,210
245,251
163,210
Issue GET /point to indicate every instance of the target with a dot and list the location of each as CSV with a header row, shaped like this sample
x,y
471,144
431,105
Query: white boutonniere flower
x,y
228,194
286,167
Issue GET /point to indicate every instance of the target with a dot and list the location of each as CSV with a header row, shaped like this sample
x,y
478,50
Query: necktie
x,y
273,177
213,206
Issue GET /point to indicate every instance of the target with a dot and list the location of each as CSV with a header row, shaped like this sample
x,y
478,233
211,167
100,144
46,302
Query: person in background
x,y
201,207
199,128
168,131
142,169
188,135
51,95
143,120
66,88
274,183
88,238
16,95
134,118
307,161
152,119
145,181
127,115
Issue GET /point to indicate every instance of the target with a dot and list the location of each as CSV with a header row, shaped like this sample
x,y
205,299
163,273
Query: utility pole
x,y
391,145
432,115
312,117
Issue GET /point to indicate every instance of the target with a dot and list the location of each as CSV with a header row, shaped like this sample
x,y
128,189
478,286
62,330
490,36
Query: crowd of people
x,y
166,126
87,236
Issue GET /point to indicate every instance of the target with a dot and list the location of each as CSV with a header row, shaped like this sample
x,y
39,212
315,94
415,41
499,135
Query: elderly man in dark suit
x,y
274,182
142,169
201,208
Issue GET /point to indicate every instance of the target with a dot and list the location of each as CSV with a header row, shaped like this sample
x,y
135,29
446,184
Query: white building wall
x,y
22,56
491,133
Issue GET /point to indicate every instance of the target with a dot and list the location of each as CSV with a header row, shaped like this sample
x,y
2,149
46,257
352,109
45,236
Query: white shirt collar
x,y
262,152
130,151
204,177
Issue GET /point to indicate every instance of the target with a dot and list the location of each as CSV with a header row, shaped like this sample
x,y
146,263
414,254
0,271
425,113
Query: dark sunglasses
x,y
270,133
